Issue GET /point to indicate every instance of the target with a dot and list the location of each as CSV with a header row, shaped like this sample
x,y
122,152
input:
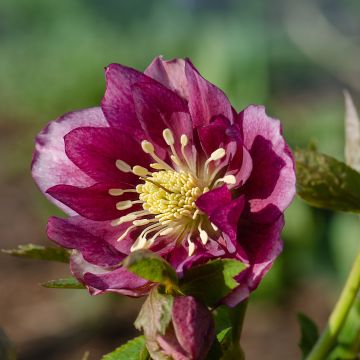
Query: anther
x,y
228,179
184,140
140,171
147,147
123,205
123,166
204,236
168,137
217,154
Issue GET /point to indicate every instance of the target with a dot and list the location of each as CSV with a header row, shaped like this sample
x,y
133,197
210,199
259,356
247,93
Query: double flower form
x,y
165,164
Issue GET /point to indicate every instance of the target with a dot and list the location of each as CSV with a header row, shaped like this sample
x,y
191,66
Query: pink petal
x,y
50,164
70,234
154,106
118,104
205,99
170,73
272,182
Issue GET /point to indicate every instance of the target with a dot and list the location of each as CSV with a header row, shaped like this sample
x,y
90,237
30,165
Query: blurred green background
x,y
295,57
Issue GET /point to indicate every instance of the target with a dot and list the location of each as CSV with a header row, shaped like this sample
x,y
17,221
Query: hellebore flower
x,y
166,164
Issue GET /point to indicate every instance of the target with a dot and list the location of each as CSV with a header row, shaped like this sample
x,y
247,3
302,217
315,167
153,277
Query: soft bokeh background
x,y
295,57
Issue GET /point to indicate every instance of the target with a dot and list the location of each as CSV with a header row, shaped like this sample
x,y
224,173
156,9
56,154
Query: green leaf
x,y
134,349
155,314
152,267
309,334
212,281
40,253
7,350
325,182
69,283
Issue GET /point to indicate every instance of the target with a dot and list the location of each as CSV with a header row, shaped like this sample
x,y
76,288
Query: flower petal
x,y
69,234
272,181
93,202
120,281
154,106
50,165
96,150
209,201
193,325
118,104
170,73
205,99
223,212
262,244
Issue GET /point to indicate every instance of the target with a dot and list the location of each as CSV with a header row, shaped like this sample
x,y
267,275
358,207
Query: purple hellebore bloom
x,y
167,164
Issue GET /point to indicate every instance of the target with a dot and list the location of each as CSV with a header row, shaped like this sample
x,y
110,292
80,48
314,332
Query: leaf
x,y
154,319
40,253
352,133
69,283
212,281
325,182
134,349
152,267
155,314
309,334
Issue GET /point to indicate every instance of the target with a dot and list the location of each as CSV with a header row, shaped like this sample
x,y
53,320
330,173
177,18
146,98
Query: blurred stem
x,y
339,314
237,316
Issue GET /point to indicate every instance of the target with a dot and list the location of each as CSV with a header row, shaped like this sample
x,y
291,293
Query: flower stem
x,y
237,315
339,314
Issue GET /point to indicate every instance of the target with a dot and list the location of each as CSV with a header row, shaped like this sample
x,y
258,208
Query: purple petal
x,y
79,266
70,234
205,99
223,212
50,165
170,73
96,150
221,134
209,201
93,202
226,218
272,181
120,281
262,244
154,106
193,325
118,104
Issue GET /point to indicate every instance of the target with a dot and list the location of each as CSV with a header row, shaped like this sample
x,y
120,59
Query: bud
x,y
179,328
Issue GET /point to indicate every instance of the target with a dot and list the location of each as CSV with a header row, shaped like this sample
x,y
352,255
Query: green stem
x,y
237,315
339,314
